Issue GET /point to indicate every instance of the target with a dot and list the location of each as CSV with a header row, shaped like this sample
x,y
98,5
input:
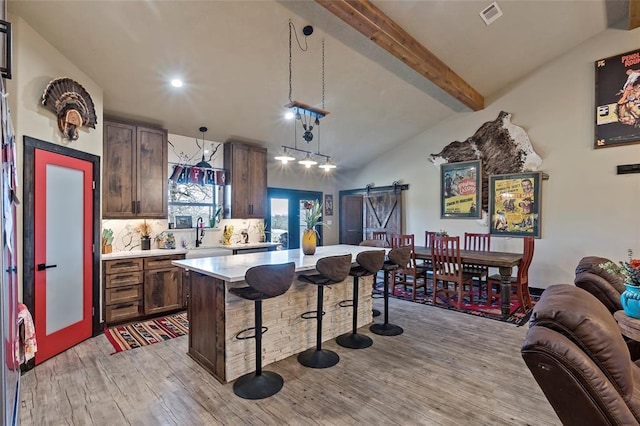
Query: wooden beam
x,y
634,14
382,30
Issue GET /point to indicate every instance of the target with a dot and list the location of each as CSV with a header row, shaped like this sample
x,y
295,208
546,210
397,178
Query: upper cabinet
x,y
134,171
247,168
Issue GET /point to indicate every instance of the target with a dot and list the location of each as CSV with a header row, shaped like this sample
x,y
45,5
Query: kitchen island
x,y
216,316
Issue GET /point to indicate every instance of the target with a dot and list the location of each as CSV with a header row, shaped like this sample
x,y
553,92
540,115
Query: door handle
x,y
42,266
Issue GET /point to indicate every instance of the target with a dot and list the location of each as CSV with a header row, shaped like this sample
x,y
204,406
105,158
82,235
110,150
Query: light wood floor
x,y
447,368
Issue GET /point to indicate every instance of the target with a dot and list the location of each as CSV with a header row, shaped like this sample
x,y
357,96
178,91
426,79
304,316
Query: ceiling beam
x,y
379,28
634,14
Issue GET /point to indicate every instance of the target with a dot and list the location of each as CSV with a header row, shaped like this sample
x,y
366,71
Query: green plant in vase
x,y
261,231
630,269
312,215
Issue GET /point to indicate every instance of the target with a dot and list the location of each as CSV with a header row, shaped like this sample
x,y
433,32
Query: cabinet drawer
x,y
161,262
123,294
123,265
124,311
120,280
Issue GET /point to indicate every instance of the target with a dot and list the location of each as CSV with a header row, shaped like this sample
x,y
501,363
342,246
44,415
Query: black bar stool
x,y
369,263
332,270
376,242
397,256
264,282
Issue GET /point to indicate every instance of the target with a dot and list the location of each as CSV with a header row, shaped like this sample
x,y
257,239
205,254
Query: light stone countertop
x,y
248,246
142,253
233,268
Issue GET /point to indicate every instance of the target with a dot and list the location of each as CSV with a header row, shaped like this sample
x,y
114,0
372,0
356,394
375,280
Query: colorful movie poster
x,y
617,106
460,189
515,204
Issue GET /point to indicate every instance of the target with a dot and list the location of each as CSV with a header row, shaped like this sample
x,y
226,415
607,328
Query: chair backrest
x,y
372,243
371,260
401,256
605,286
272,280
379,235
479,242
445,258
428,235
577,355
335,268
527,257
402,240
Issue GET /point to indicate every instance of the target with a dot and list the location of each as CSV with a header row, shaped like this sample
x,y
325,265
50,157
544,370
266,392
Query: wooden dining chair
x,y
428,235
519,283
447,270
412,271
380,235
477,242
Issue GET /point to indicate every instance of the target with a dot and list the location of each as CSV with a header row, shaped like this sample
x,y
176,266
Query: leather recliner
x,y
604,286
577,355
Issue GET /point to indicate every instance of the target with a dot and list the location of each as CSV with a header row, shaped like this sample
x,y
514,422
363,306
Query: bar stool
x,y
369,263
265,282
375,243
397,256
332,270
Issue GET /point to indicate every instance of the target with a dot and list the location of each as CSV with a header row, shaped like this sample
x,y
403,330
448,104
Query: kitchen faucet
x,y
199,223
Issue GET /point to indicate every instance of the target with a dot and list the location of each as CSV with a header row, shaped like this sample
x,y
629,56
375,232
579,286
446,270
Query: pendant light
x,y
203,164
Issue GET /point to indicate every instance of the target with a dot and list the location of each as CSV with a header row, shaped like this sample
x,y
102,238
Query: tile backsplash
x,y
126,239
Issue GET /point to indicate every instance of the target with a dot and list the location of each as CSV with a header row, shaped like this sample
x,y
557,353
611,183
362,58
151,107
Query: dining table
x,y
504,261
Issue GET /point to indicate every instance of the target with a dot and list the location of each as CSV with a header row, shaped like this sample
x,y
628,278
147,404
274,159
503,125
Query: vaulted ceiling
x,y
392,68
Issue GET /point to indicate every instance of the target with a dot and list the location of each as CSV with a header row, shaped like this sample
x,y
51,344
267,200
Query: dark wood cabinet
x,y
162,285
139,287
134,171
247,168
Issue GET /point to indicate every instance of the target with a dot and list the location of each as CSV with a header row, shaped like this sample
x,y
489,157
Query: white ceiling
x,y
233,57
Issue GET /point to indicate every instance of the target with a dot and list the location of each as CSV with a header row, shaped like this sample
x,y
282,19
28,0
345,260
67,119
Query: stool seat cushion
x,y
359,271
266,281
248,293
400,256
315,279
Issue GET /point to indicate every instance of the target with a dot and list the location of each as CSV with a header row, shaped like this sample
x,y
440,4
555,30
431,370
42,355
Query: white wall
x,y
586,208
35,64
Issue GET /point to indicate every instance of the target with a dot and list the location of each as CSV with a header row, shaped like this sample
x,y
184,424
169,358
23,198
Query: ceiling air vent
x,y
491,13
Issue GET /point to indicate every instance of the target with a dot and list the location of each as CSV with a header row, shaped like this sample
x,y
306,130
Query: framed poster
x,y
460,190
328,204
618,100
514,204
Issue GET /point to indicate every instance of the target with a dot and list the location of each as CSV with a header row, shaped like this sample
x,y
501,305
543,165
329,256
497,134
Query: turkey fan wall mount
x,y
72,104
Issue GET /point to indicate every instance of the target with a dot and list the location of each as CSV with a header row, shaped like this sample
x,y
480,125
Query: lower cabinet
x,y
139,287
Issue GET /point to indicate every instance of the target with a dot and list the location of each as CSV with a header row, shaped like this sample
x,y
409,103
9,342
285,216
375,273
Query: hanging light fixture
x,y
203,163
308,116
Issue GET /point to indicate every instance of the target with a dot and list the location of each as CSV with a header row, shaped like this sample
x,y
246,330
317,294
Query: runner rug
x,y
138,334
517,316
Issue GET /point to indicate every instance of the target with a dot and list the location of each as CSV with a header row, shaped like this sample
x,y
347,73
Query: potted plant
x,y
144,229
107,239
630,269
312,215
261,230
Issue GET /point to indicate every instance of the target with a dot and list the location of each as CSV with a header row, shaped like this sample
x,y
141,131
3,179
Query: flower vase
x,y
630,300
309,241
145,243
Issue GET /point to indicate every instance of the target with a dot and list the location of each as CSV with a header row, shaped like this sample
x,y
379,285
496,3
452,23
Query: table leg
x,y
505,290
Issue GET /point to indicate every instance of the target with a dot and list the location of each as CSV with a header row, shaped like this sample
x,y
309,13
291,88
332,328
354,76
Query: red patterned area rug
x,y
517,316
138,334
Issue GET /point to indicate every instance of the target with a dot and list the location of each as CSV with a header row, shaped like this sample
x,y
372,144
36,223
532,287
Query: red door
x,y
63,252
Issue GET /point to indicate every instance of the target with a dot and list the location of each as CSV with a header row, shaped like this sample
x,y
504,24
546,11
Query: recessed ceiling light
x,y
289,115
176,83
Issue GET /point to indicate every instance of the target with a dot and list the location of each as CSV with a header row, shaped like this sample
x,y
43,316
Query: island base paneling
x,y
216,316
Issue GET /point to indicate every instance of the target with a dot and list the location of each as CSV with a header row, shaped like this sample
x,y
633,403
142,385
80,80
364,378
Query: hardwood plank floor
x,y
447,368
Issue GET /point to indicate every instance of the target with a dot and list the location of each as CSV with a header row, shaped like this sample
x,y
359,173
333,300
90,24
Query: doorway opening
x,y
285,211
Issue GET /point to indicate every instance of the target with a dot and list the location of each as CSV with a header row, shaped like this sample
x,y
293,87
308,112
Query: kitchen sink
x,y
195,253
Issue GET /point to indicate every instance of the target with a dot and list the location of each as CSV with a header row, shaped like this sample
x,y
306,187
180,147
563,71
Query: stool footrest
x,y
311,314
246,330
346,303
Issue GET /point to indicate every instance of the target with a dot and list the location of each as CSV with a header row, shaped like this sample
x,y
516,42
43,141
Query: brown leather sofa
x,y
577,355
604,286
